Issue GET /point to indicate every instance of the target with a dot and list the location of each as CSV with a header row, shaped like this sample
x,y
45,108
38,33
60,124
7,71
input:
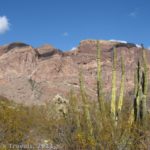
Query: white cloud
x,y
4,24
74,48
120,41
139,46
65,34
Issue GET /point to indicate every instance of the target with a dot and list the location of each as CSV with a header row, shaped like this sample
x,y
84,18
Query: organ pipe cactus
x,y
99,79
141,90
145,85
120,103
139,93
86,108
133,115
113,96
135,83
145,73
74,109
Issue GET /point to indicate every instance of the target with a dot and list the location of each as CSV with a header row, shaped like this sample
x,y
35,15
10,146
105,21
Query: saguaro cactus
x,y
113,96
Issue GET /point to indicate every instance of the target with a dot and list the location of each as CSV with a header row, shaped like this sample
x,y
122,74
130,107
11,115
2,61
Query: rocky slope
x,y
33,75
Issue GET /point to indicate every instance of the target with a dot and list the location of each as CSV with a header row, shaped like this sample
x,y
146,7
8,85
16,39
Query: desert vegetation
x,y
80,123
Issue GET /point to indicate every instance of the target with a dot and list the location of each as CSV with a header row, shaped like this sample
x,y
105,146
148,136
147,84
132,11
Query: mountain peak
x,y
8,47
46,46
109,43
16,45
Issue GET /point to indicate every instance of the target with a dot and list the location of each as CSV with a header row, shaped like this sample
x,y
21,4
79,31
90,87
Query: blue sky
x,y
64,23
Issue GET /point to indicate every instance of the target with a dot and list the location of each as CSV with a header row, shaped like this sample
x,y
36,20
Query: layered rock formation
x,y
34,75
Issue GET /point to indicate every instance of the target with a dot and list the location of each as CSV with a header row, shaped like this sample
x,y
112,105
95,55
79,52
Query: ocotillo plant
x,y
113,96
99,79
120,103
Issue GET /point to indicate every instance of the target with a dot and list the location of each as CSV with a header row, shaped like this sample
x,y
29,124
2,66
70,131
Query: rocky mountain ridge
x,y
34,75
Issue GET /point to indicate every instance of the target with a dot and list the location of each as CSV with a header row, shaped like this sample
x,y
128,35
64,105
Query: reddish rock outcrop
x,y
33,75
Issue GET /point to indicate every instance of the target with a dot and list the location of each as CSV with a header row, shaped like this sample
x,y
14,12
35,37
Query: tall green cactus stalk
x,y
145,73
141,91
82,90
74,110
86,108
133,113
145,86
135,83
113,96
120,103
99,79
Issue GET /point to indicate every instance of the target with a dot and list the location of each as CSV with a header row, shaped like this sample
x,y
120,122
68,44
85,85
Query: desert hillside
x,y
34,75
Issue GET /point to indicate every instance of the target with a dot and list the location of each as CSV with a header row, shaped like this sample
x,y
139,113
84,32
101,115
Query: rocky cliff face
x,y
33,75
